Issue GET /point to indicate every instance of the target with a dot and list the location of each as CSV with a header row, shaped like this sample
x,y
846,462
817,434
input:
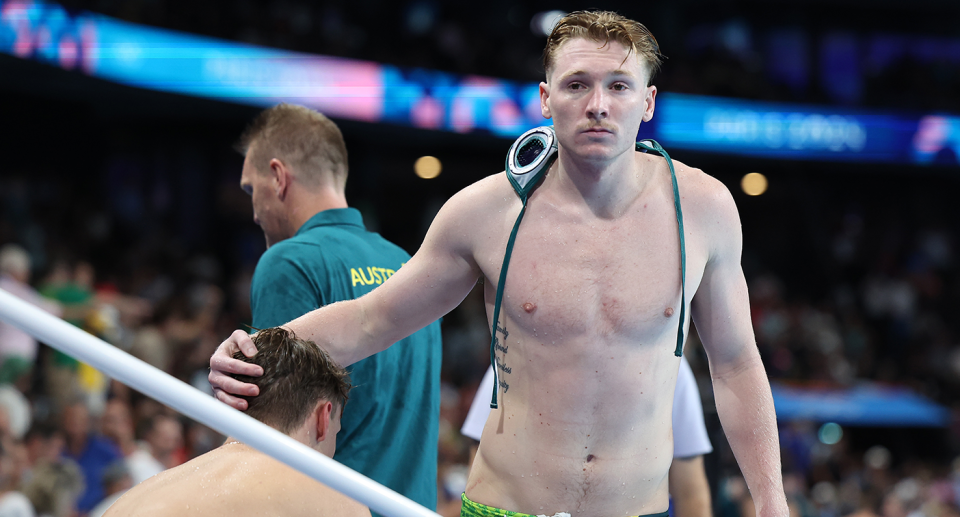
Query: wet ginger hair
x,y
296,374
602,27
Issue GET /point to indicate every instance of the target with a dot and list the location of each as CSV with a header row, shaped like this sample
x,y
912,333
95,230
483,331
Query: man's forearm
x,y
343,330
745,406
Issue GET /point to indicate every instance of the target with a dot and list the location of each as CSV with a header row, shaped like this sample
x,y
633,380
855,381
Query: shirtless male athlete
x,y
302,394
587,334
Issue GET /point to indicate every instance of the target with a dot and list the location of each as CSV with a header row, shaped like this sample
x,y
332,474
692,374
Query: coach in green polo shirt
x,y
318,253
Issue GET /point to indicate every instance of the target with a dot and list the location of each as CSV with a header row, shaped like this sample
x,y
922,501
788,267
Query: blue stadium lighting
x,y
170,61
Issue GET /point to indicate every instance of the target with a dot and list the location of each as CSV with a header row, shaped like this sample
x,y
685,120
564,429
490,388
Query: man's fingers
x,y
222,360
222,364
231,386
244,342
230,400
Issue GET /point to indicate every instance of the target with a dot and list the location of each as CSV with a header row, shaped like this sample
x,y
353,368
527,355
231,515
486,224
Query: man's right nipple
x,y
529,307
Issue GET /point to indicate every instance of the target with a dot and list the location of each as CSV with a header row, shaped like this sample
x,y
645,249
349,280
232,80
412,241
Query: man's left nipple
x,y
668,312
529,307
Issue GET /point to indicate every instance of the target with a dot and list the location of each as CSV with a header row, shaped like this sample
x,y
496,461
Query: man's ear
x,y
650,102
282,177
544,97
323,412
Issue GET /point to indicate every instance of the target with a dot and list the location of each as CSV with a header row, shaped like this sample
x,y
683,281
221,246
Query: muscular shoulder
x,y
708,208
492,192
705,193
475,210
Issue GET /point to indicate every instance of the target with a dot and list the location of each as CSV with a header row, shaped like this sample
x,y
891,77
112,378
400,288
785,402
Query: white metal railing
x,y
201,407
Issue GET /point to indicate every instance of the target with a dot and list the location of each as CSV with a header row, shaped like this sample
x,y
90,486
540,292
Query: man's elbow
x,y
730,365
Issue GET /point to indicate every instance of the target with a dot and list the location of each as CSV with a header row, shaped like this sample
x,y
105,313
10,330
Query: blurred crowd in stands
x,y
856,53
72,439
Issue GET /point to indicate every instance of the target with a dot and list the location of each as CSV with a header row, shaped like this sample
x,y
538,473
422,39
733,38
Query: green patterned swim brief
x,y
474,509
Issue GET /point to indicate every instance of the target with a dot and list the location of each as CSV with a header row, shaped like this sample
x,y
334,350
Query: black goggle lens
x,y
529,151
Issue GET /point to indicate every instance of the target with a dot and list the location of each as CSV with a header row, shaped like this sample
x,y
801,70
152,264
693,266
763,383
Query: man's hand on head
x,y
222,365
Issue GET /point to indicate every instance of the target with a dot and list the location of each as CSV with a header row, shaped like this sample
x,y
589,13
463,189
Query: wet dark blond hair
x,y
602,27
300,137
296,375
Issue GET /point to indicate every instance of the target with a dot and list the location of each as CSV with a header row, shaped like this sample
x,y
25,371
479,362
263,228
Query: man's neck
x,y
608,188
302,205
301,435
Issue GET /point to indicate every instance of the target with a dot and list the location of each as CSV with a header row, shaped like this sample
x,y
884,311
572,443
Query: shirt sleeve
x,y
282,289
689,431
479,409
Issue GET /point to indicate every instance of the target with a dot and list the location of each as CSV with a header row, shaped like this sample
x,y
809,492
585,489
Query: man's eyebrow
x,y
572,74
621,71
617,72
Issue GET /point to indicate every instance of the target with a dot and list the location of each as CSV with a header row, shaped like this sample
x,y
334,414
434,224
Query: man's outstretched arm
x,y
431,284
721,310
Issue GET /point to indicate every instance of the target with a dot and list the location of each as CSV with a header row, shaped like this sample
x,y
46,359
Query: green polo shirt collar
x,y
333,217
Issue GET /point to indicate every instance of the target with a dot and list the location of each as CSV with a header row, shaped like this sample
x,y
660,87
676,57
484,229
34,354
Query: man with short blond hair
x,y
594,303
311,142
303,393
319,252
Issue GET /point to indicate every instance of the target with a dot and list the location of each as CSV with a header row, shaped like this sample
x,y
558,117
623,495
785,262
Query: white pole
x,y
203,408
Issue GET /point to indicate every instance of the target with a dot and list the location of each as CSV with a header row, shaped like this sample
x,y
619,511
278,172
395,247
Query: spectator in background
x,y
16,412
116,481
117,425
18,350
164,437
92,453
52,482
12,502
73,288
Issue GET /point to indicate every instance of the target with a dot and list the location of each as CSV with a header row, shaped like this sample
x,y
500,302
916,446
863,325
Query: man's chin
x,y
596,154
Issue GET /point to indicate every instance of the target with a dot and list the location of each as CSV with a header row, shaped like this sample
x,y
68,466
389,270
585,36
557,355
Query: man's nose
x,y
597,104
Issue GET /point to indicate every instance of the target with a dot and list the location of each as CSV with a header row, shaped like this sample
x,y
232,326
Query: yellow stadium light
x,y
427,167
754,184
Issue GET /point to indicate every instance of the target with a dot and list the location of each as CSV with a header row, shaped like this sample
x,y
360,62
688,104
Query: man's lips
x,y
597,129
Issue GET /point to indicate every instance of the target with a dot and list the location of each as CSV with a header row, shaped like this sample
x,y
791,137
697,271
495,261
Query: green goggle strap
x,y
496,306
683,247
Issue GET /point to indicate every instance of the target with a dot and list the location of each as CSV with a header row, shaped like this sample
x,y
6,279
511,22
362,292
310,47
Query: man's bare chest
x,y
607,278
